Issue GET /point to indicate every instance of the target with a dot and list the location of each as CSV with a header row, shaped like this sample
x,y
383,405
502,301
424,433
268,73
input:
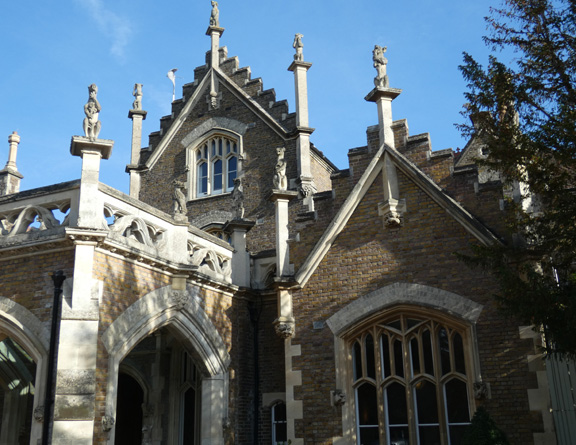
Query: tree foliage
x,y
524,111
484,431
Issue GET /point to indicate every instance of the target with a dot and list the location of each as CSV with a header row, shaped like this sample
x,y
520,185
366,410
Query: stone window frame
x,y
362,312
30,333
378,325
193,163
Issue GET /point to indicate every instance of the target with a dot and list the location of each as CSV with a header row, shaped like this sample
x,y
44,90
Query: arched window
x,y
416,368
216,165
279,427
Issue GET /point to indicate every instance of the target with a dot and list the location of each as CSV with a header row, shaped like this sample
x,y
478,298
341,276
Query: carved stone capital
x,y
107,422
284,327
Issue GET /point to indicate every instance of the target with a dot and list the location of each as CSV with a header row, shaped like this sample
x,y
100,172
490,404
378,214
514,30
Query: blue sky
x,y
52,51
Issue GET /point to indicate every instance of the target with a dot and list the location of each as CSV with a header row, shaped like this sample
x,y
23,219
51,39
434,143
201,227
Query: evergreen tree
x,y
524,111
483,431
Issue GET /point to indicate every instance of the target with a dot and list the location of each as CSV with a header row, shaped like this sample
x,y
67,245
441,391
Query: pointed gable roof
x,y
198,95
426,184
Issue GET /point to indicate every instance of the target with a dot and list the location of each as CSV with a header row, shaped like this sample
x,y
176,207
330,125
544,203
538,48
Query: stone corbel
x,y
392,209
284,327
337,397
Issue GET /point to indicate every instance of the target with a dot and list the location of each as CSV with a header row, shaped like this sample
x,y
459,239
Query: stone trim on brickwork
x,y
181,311
403,293
398,296
452,207
28,331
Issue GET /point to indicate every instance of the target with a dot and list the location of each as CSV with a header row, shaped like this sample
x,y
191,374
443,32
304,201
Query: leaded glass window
x,y
411,381
216,166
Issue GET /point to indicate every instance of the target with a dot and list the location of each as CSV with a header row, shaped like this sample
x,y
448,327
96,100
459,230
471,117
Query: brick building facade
x,y
248,291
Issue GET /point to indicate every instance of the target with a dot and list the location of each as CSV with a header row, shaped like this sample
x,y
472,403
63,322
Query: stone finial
x,y
298,45
215,15
179,198
137,93
238,199
13,140
280,182
91,110
380,62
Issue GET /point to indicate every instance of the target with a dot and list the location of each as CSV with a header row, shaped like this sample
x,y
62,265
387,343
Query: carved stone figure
x,y
107,422
215,15
91,110
179,198
180,298
338,397
284,329
380,62
39,413
298,45
280,181
238,199
137,105
480,390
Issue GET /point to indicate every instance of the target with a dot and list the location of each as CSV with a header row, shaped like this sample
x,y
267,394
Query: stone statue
x,y
298,45
137,105
280,181
381,79
215,15
179,199
238,198
91,109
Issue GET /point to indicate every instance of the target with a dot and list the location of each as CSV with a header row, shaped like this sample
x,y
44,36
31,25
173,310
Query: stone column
x,y
284,324
90,207
10,177
241,258
305,179
392,209
137,117
215,32
383,98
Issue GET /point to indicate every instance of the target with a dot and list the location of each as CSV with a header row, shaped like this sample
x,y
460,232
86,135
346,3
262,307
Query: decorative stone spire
x,y
300,68
9,176
137,115
215,32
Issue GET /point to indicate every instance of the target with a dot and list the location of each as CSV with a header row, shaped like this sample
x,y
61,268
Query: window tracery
x,y
418,370
215,166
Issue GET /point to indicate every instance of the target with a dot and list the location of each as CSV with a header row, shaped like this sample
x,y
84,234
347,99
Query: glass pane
x,y
427,407
202,179
227,146
457,401
220,147
398,358
399,435
357,357
367,405
370,359
395,324
427,350
457,433
205,151
385,351
234,148
369,436
459,362
213,147
396,404
429,435
413,322
444,351
232,169
415,355
188,433
217,176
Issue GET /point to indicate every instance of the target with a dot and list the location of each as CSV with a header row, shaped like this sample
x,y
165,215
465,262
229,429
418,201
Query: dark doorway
x,y
128,411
